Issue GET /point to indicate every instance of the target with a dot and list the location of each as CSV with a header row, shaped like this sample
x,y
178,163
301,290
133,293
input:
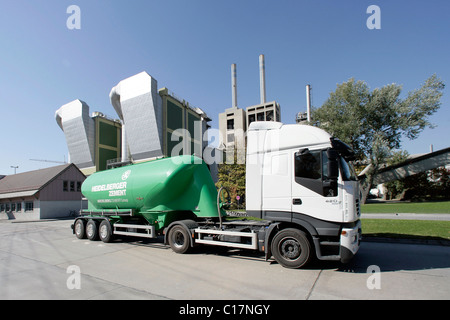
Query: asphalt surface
x,y
44,260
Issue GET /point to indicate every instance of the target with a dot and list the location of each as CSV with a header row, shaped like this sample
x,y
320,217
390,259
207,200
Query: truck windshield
x,y
348,172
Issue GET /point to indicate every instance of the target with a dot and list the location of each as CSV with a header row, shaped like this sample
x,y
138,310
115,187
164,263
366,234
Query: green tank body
x,y
161,191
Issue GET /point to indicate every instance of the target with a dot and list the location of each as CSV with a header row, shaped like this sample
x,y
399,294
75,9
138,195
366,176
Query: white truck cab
x,y
299,176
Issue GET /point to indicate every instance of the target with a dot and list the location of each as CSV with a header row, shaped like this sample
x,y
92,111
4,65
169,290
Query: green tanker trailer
x,y
299,184
143,199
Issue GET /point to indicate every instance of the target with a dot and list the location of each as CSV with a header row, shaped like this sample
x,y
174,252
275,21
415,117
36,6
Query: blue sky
x,y
189,45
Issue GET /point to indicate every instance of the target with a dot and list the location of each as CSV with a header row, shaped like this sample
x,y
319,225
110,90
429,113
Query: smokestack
x,y
262,78
308,102
233,85
124,146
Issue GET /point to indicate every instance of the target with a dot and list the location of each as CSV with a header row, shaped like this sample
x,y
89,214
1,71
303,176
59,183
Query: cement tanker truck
x,y
299,184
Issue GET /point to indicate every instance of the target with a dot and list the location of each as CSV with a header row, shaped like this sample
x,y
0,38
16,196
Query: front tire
x,y
291,248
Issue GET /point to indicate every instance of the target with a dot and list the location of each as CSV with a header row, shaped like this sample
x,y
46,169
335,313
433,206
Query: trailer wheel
x,y
92,230
80,229
105,231
291,248
179,239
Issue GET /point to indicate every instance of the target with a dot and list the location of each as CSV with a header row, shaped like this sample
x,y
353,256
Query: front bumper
x,y
350,242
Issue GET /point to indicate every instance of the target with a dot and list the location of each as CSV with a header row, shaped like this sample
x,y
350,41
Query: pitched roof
x,y
31,180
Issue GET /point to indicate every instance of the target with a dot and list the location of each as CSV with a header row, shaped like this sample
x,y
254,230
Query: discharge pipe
x,y
218,204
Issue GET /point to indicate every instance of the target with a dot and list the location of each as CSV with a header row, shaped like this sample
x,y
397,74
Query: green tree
x,y
232,177
374,122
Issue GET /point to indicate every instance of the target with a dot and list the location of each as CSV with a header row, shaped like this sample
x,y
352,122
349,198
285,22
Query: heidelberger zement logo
x,y
126,174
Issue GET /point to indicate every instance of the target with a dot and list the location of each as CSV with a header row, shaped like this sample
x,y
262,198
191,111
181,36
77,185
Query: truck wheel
x,y
105,231
92,230
291,248
80,229
179,239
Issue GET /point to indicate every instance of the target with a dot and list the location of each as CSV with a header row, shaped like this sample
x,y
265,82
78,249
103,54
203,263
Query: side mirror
x,y
333,166
333,169
332,154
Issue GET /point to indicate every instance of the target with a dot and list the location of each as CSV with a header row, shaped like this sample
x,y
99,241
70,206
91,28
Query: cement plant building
x,y
233,123
152,123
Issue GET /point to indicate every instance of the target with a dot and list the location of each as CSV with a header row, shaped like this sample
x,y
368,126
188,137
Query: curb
x,y
36,220
434,242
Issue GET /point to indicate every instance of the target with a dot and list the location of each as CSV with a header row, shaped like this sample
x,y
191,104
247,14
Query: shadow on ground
x,y
387,256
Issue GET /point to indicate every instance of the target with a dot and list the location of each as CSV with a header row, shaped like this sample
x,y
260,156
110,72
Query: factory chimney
x,y
262,79
233,85
308,102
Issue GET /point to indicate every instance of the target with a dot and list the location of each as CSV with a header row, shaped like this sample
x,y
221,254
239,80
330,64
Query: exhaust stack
x,y
308,102
233,85
262,79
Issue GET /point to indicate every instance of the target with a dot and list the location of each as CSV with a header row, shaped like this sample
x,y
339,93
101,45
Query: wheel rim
x,y
290,248
178,239
90,230
78,228
103,231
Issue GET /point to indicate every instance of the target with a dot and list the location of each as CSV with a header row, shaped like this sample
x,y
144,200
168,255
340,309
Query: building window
x,y
251,118
78,186
65,185
72,186
260,116
29,206
2,207
230,124
19,207
13,207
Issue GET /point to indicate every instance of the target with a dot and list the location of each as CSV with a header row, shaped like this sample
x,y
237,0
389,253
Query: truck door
x,y
312,193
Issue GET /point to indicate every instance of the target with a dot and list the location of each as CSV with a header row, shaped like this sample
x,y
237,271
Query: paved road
x,y
35,259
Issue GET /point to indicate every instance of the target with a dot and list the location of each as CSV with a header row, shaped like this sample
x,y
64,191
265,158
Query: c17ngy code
x,y
245,309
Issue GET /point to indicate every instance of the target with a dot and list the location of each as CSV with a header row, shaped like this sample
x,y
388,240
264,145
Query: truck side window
x,y
311,172
308,165
308,170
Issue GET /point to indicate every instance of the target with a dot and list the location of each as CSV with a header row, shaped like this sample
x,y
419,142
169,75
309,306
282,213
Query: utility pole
x,y
14,167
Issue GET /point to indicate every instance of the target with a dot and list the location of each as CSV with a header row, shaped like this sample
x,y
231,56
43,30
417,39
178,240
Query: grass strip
x,y
406,229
